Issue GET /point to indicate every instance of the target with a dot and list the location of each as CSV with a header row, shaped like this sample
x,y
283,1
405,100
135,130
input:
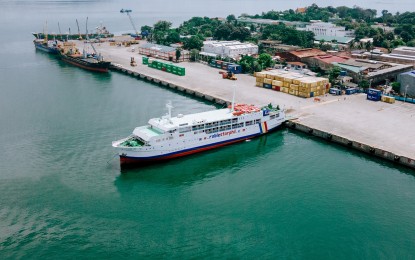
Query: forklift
x,y
228,75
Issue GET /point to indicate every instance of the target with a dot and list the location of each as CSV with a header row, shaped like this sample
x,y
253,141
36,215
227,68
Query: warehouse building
x,y
374,71
407,81
402,55
231,49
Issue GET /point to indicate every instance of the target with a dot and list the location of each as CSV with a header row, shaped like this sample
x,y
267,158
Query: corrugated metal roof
x,y
304,53
330,59
355,69
329,38
410,73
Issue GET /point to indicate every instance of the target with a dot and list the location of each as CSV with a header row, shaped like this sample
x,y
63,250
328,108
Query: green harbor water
x,y
63,195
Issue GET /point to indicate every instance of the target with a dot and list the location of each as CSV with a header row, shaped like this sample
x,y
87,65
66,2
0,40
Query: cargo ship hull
x,y
87,63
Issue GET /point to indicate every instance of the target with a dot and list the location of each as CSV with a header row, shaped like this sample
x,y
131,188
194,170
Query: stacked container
x,y
228,66
167,67
292,83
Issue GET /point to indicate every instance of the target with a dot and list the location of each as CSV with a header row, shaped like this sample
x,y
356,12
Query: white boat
x,y
171,137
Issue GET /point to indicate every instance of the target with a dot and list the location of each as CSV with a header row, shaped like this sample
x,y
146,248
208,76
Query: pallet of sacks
x,y
292,83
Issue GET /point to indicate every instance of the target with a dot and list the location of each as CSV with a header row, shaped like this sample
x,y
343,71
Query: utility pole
x,y
406,90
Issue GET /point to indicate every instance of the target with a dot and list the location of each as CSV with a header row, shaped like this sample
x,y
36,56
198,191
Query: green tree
x,y
230,18
193,42
162,26
178,54
396,86
265,60
172,37
240,33
159,37
223,31
194,53
146,28
364,84
334,74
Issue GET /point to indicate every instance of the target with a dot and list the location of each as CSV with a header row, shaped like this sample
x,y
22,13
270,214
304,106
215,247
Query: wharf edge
x,y
290,123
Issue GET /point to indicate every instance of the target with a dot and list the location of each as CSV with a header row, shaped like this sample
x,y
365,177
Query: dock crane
x,y
128,11
79,32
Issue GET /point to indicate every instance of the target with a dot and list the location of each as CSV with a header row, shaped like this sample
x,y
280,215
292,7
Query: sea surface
x,y
64,196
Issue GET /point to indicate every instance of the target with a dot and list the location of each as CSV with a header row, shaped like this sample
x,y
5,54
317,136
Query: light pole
x,y
406,90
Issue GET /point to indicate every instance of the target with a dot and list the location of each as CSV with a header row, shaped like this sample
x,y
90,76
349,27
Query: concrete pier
x,y
380,129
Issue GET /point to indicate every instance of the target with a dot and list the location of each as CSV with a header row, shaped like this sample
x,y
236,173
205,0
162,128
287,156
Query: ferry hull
x,y
129,161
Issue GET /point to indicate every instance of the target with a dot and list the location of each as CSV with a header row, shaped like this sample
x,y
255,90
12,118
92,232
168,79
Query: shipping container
x,y
277,88
376,92
145,60
268,81
235,68
373,97
350,91
335,91
267,86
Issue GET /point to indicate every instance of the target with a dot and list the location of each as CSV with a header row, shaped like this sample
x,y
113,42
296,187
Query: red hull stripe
x,y
266,127
127,160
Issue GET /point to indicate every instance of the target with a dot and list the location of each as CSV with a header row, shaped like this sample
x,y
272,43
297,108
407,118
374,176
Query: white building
x,y
232,49
329,29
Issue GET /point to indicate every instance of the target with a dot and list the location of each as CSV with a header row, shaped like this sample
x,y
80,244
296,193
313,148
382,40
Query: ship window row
x,y
224,128
234,126
185,129
198,127
212,130
272,116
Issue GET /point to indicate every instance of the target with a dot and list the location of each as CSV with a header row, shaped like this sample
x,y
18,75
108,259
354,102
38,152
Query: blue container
x,y
235,68
350,91
343,73
267,86
374,97
311,94
335,91
374,92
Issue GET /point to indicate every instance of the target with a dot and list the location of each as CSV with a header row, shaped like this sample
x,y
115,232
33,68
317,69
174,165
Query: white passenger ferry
x,y
170,137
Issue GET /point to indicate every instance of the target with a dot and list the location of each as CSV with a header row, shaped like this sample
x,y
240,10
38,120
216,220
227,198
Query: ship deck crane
x,y
79,32
87,38
128,11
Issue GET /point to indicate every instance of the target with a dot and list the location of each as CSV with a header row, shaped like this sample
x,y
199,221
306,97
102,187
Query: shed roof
x,y
409,73
304,53
329,38
330,58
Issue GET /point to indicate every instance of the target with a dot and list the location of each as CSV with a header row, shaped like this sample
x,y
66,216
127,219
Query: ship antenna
x,y
233,98
169,108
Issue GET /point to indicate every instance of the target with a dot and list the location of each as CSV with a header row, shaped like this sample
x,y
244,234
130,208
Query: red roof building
x,y
325,62
300,55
